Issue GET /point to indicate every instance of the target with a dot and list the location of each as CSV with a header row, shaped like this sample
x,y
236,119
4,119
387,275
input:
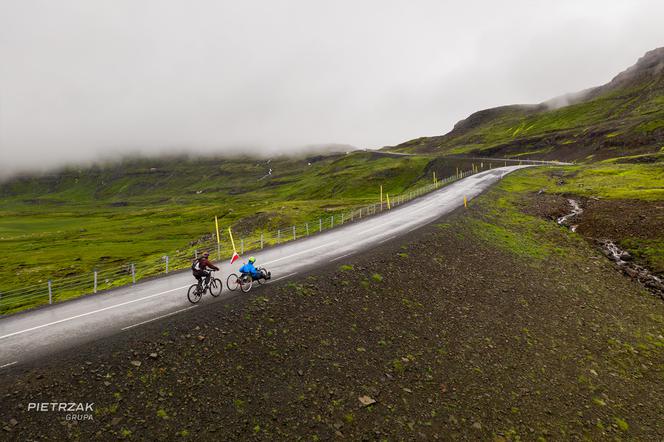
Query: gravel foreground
x,y
447,337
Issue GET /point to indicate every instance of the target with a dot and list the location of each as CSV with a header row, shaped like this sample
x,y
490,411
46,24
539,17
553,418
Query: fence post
x,y
261,240
306,226
133,273
278,236
50,292
167,262
332,221
320,224
94,290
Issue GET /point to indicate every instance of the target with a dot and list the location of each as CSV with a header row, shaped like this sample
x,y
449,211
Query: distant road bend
x,y
34,334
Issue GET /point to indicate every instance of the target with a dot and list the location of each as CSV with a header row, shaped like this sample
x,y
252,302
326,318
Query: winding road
x,y
34,334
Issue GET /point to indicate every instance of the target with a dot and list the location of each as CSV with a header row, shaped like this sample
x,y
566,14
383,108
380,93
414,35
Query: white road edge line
x,y
299,253
159,317
90,313
283,277
7,365
342,256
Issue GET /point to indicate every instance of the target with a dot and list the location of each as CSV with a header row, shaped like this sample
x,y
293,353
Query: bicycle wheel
x,y
246,284
215,287
263,278
194,294
233,282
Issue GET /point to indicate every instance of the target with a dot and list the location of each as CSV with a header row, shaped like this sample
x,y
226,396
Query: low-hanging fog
x,y
84,79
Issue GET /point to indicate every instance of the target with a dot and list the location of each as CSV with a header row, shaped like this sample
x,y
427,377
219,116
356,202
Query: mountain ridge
x,y
622,117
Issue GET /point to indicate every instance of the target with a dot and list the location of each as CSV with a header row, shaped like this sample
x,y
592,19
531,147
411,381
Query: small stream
x,y
624,262
576,211
621,258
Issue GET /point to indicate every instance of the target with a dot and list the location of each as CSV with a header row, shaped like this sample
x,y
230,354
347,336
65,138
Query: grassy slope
x,y
70,222
630,184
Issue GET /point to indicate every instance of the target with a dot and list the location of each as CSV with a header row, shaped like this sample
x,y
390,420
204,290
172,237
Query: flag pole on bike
x,y
216,225
235,256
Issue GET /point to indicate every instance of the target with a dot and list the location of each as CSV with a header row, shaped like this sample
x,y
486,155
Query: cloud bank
x,y
81,79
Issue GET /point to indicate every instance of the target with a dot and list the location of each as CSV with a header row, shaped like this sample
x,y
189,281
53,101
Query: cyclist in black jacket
x,y
199,268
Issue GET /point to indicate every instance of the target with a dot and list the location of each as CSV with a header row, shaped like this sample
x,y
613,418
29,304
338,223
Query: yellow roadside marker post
x,y
216,225
388,202
465,202
381,198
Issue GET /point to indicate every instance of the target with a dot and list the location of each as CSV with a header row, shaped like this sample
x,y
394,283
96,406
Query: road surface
x,y
33,334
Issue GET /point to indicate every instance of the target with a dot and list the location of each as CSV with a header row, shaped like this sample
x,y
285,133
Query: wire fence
x,y
104,278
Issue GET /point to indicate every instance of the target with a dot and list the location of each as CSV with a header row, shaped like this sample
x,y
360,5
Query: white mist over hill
x,y
80,79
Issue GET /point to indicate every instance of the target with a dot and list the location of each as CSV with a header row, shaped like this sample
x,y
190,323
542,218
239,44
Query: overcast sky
x,y
84,78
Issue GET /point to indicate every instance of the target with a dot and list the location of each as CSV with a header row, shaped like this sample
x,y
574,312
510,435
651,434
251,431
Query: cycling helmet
x,y
252,259
206,254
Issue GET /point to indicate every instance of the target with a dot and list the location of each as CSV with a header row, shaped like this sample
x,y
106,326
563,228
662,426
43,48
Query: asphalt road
x,y
34,334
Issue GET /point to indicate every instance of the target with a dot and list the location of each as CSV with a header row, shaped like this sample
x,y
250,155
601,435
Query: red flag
x,y
234,257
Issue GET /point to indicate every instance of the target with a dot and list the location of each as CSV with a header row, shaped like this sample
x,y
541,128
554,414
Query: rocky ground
x,y
442,335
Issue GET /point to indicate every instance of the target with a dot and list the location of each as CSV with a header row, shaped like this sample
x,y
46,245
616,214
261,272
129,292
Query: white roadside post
x,y
261,240
294,236
306,226
332,221
133,273
320,224
278,236
50,292
166,258
94,290
242,246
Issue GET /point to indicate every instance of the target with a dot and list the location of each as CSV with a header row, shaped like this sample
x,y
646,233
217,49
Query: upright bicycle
x,y
196,291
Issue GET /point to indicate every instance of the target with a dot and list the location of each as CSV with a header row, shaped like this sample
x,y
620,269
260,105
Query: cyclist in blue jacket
x,y
249,269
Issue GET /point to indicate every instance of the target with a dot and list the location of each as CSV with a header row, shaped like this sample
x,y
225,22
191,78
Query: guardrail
x,y
510,160
104,278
